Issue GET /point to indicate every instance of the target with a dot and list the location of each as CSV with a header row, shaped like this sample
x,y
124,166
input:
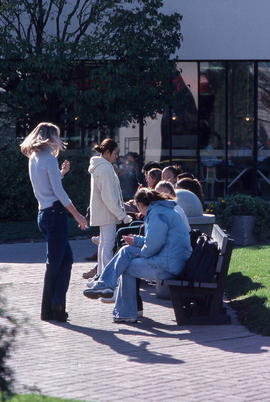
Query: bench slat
x,y
220,237
219,263
210,285
201,303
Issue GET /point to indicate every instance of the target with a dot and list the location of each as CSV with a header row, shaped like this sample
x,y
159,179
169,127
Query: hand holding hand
x,y
129,239
65,167
83,224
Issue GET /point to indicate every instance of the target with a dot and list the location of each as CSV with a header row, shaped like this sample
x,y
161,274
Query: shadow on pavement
x,y
222,337
136,353
230,338
219,336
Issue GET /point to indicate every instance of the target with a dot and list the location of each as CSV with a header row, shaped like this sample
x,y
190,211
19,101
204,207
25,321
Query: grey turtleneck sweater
x,y
46,178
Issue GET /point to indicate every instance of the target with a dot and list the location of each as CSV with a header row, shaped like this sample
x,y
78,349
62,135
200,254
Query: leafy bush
x,y
241,204
77,181
8,330
17,201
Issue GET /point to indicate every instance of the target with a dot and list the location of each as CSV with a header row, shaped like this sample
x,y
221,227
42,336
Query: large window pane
x,y
241,126
180,120
212,128
263,145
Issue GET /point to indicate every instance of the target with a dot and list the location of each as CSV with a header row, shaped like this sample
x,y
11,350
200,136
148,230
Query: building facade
x,y
219,126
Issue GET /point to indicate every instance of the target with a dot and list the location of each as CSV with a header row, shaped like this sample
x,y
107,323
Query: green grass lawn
x,y
33,398
248,286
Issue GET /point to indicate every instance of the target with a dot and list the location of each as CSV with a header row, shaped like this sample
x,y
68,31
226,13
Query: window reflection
x,y
179,127
212,128
241,126
263,144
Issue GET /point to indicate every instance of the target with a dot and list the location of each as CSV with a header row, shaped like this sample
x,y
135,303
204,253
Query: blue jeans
x,y
128,265
52,222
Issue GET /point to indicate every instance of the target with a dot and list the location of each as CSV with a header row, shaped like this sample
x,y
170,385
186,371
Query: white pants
x,y
106,245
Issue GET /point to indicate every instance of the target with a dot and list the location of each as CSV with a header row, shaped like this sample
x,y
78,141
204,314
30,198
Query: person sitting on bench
x,y
160,254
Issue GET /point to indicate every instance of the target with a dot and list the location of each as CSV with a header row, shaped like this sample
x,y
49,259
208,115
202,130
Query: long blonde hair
x,y
43,136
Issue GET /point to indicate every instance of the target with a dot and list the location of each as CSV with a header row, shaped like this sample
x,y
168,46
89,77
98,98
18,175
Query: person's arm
x,y
65,167
55,180
156,235
138,241
110,194
81,220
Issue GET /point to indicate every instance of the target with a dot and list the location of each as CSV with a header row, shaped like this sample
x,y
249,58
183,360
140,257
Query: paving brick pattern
x,y
92,359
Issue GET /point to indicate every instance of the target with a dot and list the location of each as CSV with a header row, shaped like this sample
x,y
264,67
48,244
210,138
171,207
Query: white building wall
x,y
223,29
213,29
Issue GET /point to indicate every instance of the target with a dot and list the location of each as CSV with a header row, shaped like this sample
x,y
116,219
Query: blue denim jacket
x,y
166,242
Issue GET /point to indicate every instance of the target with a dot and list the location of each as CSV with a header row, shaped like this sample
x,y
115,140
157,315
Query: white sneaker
x,y
110,299
95,240
92,281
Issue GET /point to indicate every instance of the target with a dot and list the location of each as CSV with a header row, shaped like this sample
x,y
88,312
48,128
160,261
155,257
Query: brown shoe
x,y
91,273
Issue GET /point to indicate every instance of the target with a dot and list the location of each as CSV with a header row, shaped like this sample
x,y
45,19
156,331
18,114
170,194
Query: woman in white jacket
x,y
106,201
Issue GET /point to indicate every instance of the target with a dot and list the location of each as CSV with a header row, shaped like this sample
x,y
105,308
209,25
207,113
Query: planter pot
x,y
242,230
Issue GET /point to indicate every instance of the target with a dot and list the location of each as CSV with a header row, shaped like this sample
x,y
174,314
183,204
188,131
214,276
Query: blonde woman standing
x,y
106,201
42,147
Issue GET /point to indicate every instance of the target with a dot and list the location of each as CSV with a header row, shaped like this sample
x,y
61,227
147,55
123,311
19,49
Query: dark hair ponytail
x,y
192,185
107,145
146,196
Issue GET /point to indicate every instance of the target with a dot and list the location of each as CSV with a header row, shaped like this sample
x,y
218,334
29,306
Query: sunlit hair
x,y
43,136
107,145
155,174
185,175
146,196
172,169
163,184
150,165
192,185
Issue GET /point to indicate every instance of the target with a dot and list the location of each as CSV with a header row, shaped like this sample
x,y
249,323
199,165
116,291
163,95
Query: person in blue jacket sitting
x,y
160,254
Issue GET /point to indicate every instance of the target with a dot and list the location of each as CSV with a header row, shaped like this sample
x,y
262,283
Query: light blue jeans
x,y
128,265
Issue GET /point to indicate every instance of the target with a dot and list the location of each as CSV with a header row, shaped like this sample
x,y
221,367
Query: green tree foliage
x,y
40,44
17,201
141,41
242,204
8,331
44,45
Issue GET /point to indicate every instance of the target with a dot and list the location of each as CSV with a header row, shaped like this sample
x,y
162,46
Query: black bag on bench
x,y
201,266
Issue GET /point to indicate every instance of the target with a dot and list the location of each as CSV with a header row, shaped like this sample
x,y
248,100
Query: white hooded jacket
x,y
106,202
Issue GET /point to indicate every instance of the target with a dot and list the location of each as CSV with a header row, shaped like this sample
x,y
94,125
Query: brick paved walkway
x,y
92,359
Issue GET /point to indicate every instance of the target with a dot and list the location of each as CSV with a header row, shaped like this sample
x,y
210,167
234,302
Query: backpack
x,y
194,234
201,265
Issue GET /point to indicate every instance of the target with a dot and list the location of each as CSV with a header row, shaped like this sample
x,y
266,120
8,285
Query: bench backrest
x,y
225,245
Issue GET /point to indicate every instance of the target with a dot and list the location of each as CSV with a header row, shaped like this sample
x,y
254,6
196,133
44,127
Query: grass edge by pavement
x,y
33,398
248,287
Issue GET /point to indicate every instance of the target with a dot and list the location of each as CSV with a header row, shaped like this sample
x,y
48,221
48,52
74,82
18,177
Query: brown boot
x,y
90,274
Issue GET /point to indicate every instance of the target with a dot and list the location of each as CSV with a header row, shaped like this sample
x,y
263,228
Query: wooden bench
x,y
202,303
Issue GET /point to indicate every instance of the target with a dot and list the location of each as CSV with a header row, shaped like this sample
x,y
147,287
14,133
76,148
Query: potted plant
x,y
246,218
